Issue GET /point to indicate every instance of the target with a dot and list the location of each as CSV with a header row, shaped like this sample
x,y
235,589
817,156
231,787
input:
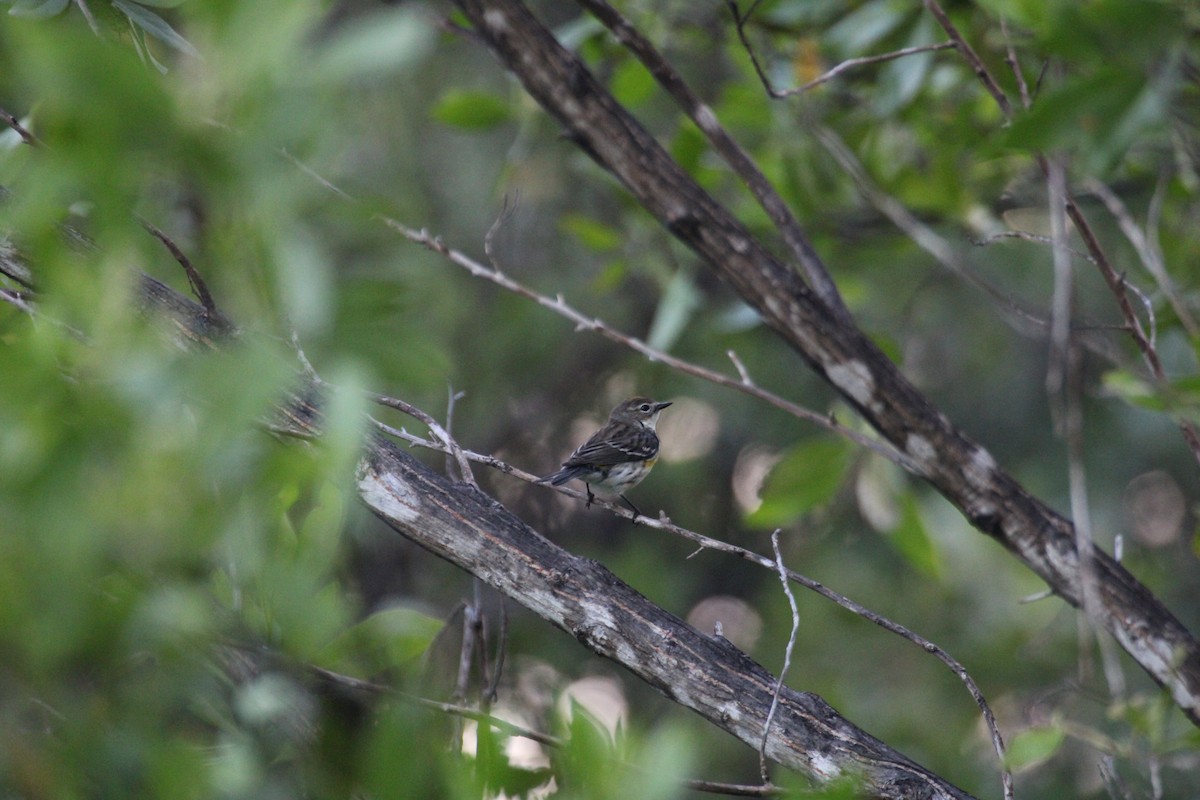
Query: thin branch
x,y
466,653
493,689
851,63
1066,378
787,656
733,153
734,789
1010,58
1117,286
663,523
199,287
559,306
1151,319
451,398
582,322
17,299
1027,236
972,58
452,447
14,123
1148,254
921,234
1061,303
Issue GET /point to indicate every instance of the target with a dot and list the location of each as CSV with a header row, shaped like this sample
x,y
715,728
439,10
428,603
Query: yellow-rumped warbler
x,y
619,455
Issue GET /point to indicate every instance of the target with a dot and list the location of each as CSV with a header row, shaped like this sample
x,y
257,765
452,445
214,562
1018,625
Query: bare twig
x,y
733,153
452,397
17,299
1010,58
734,789
199,287
1062,301
14,123
1150,255
923,235
1026,236
493,688
741,368
466,653
452,447
1117,286
787,656
582,322
1065,379
972,58
847,65
663,523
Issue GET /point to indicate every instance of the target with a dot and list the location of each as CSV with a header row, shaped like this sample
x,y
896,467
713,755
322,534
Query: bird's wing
x,y
609,447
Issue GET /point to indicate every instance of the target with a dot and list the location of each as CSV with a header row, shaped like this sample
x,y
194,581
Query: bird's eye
x,y
644,407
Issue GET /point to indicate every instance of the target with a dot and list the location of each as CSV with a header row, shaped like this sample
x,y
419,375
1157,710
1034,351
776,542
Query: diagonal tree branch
x,y
733,153
963,471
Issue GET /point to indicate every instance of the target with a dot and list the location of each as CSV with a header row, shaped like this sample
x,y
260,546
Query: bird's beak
x,y
660,406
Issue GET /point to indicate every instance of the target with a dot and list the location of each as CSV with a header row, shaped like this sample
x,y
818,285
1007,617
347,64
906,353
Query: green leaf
x,y
687,147
912,540
858,31
679,302
1132,389
471,110
379,43
1098,116
591,233
37,9
1033,746
808,477
901,79
588,757
156,26
631,84
388,638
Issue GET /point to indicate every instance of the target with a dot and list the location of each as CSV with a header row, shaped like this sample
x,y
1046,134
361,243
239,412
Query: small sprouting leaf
x,y
1033,746
471,110
37,9
156,26
808,477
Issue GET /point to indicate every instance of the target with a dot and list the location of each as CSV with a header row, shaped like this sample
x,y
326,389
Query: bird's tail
x,y
562,476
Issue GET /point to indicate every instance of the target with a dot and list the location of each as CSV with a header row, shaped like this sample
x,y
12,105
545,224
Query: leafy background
x,y
169,571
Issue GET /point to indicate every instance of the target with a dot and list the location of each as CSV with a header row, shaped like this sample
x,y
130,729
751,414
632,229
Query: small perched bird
x,y
619,455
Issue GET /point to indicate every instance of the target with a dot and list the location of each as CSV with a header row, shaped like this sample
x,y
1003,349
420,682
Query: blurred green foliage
x,y
169,571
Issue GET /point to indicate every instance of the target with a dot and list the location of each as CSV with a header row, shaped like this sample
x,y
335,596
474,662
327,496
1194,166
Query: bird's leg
x,y
591,496
636,512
